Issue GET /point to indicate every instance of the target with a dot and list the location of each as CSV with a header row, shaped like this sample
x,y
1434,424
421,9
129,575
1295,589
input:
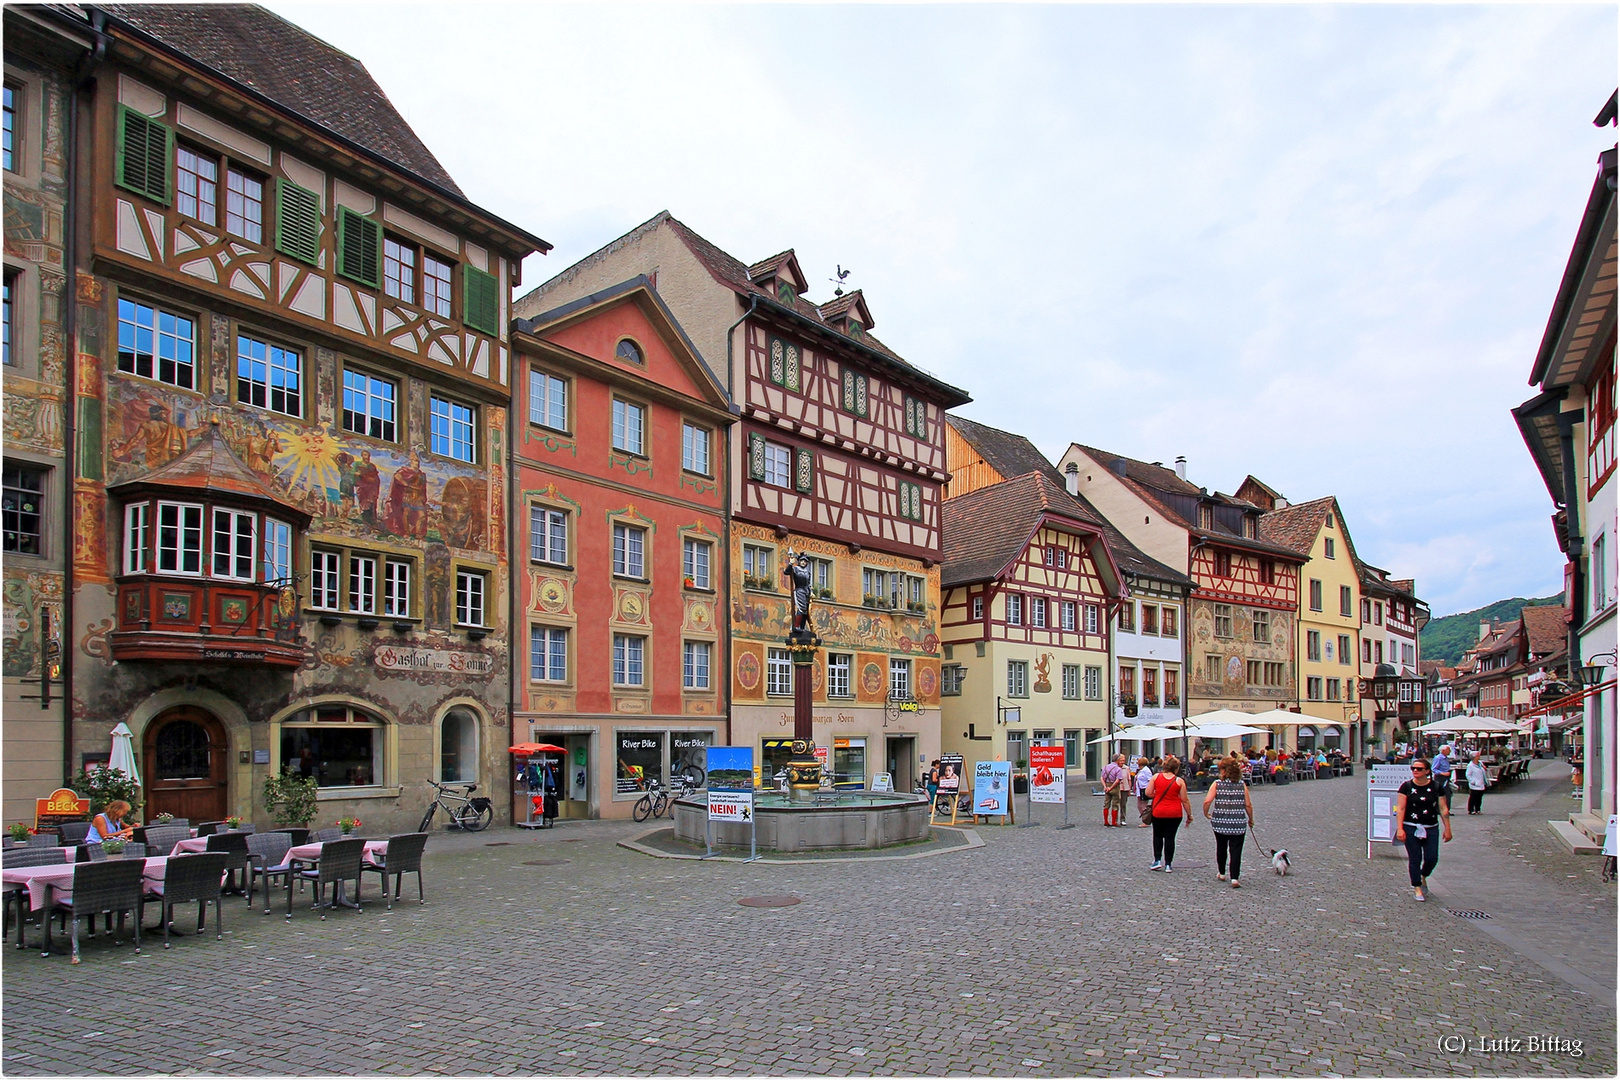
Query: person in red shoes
x,y
1114,778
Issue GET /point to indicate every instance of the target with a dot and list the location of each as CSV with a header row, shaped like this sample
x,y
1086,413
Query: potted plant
x,y
1020,778
113,845
291,799
163,819
348,824
19,833
688,583
233,822
101,785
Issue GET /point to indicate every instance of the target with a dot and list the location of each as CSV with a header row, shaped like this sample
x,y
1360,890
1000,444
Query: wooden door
x,y
185,765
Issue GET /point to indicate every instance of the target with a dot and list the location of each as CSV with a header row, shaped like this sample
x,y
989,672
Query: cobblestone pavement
x,y
1045,952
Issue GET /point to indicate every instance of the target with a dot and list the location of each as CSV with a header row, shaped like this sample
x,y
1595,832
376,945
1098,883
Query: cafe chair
x,y
51,856
188,878
323,835
160,839
133,850
295,836
209,828
340,862
97,852
404,856
110,887
235,846
73,832
267,858
45,839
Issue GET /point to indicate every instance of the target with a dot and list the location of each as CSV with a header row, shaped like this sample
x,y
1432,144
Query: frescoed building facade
x,y
1569,428
620,549
838,453
1242,614
292,372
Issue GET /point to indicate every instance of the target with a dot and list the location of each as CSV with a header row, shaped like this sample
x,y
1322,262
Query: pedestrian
x,y
1144,806
1478,780
1442,773
1420,807
933,782
1113,778
1231,814
1168,793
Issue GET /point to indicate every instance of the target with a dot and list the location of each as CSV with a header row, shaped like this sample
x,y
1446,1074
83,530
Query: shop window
x,y
640,758
338,746
458,747
689,753
849,763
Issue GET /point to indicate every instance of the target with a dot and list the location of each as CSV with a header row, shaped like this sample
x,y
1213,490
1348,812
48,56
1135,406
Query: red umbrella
x,y
529,749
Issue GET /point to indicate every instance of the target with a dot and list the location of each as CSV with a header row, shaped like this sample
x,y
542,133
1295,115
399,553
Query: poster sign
x,y
731,768
734,806
1383,785
950,772
883,782
64,805
1048,777
992,788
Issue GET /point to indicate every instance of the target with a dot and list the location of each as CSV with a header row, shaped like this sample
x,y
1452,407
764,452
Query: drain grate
x,y
546,862
1466,913
768,901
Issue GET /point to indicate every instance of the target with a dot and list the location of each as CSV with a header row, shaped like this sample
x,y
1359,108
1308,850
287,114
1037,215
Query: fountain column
x,y
804,769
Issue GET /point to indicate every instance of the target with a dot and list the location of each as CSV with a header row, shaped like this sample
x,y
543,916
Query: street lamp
x,y
1592,672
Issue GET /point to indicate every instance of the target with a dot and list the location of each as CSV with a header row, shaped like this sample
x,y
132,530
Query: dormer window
x,y
1206,517
855,330
1248,526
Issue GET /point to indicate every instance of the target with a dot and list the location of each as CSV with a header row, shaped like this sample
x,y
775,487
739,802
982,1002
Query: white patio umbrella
x,y
123,752
1469,725
1218,730
1139,733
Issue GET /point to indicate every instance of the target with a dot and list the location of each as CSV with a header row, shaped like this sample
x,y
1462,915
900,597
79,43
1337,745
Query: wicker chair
x,y
97,852
160,839
295,836
111,887
133,850
73,832
188,878
404,856
209,828
267,858
321,836
340,862
44,840
235,846
51,856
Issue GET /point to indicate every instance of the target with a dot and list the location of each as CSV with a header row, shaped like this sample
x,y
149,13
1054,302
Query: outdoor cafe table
x,y
311,854
41,881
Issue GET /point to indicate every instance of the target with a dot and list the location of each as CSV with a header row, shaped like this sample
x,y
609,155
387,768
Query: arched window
x,y
458,746
337,745
628,351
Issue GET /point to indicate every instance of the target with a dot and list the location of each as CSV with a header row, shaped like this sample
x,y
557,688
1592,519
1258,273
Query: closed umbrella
x,y
123,753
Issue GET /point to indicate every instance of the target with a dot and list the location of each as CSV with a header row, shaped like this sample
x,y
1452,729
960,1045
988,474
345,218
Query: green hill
x,y
1446,638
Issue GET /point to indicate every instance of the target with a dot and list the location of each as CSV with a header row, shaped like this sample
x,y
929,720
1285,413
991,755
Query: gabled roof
x,y
1154,476
291,66
1296,526
1546,627
985,530
836,309
1014,455
211,467
776,265
1269,497
1583,313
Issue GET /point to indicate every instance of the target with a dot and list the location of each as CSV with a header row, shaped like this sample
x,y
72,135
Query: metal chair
x,y
340,862
45,839
297,836
160,839
111,887
209,828
404,856
73,832
235,847
323,835
192,877
267,858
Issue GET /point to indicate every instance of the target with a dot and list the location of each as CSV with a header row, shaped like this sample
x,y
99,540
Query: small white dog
x,y
1279,861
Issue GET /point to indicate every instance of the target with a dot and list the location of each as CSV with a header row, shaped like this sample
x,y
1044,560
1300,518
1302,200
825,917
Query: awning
x,y
529,749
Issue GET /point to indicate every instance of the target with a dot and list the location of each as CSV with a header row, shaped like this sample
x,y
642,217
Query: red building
x,y
619,562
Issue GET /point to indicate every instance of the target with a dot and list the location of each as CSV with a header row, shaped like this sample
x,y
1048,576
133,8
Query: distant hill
x,y
1446,638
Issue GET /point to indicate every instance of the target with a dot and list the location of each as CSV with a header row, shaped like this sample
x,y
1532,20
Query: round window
x,y
628,351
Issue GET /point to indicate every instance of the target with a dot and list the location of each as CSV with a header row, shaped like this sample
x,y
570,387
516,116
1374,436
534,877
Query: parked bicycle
x,y
464,810
653,803
691,766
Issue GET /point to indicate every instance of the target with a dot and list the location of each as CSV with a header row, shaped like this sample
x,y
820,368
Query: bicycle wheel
x,y
427,818
475,819
643,808
693,772
661,805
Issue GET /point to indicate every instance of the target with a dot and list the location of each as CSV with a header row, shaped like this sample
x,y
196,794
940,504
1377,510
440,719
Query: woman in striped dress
x,y
1230,814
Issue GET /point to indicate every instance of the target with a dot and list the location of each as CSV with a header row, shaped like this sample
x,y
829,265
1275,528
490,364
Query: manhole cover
x,y
546,862
1464,913
768,901
497,843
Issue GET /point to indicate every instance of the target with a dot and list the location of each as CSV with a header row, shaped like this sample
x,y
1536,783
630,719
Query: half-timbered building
x,y
1140,679
1239,637
839,453
620,544
290,373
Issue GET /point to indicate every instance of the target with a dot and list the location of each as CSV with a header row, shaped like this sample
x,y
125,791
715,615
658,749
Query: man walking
x,y
1478,780
1442,773
1113,778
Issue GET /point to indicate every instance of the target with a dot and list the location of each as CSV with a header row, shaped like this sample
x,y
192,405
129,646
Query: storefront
x,y
855,741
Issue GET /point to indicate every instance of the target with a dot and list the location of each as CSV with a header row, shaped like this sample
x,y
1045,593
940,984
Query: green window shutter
x,y
803,470
298,222
359,248
143,156
756,457
792,380
480,308
849,390
778,362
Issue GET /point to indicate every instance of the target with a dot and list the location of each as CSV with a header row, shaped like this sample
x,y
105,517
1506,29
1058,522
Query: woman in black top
x,y
1422,820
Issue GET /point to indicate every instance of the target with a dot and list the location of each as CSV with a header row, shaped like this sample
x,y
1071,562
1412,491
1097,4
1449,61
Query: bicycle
x,y
690,767
653,803
465,812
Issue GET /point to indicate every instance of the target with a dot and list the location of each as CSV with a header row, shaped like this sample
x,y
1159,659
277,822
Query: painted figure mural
x,y
407,500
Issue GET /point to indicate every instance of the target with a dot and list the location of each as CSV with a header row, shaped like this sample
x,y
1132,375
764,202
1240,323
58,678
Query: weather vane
x,y
838,282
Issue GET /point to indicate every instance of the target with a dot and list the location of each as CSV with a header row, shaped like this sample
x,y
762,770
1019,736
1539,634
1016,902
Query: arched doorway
x,y
185,765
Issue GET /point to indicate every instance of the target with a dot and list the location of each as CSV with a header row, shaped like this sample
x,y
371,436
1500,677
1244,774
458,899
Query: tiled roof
x,y
209,465
1547,628
292,67
838,305
985,530
1296,526
1014,455
1154,476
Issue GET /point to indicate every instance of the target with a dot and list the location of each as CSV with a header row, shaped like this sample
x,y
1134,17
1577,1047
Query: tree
x,y
102,785
291,799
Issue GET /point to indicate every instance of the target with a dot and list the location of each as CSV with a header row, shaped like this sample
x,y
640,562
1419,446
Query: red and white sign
x,y
734,806
1048,778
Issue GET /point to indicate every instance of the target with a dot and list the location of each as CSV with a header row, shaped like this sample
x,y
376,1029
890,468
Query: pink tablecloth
x,y
41,881
312,852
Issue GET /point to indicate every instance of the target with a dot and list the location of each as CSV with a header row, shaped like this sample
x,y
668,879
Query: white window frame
x,y
1067,614
458,439
281,377
397,588
1093,683
629,660
778,673
1037,612
1071,682
159,341
363,584
548,645
548,400
696,659
695,440
1015,609
471,592
545,545
900,678
778,465
370,416
838,668
1018,678
325,579
697,556
629,551
629,427
234,556
137,537
1091,618
278,551
181,528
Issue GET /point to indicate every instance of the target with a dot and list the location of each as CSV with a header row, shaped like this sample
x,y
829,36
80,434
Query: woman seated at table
x,y
109,824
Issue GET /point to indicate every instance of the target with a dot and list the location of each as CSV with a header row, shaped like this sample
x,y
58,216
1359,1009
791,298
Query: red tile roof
x,y
210,466
1547,628
1295,527
985,530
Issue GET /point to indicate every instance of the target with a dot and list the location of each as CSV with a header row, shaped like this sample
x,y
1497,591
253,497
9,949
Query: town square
x,y
466,540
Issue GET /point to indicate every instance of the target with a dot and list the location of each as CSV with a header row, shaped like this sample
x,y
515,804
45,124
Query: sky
x,y
1318,244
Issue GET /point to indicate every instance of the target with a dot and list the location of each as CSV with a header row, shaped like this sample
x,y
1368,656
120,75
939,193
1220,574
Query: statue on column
x,y
796,567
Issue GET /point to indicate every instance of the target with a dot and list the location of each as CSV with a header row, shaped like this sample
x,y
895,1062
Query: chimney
x,y
1071,478
1181,466
1119,466
1484,629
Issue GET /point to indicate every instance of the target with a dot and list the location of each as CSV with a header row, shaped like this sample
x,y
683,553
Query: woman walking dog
x,y
1231,814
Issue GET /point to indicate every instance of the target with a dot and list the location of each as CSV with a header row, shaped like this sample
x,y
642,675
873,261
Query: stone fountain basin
x,y
830,821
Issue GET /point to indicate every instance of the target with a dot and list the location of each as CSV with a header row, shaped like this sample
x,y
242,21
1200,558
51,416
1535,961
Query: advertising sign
x,y
1048,779
732,806
63,806
992,788
950,772
731,768
1383,784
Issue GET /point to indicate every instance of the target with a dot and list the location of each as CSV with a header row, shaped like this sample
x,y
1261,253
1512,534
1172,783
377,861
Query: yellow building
x,y
1329,623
